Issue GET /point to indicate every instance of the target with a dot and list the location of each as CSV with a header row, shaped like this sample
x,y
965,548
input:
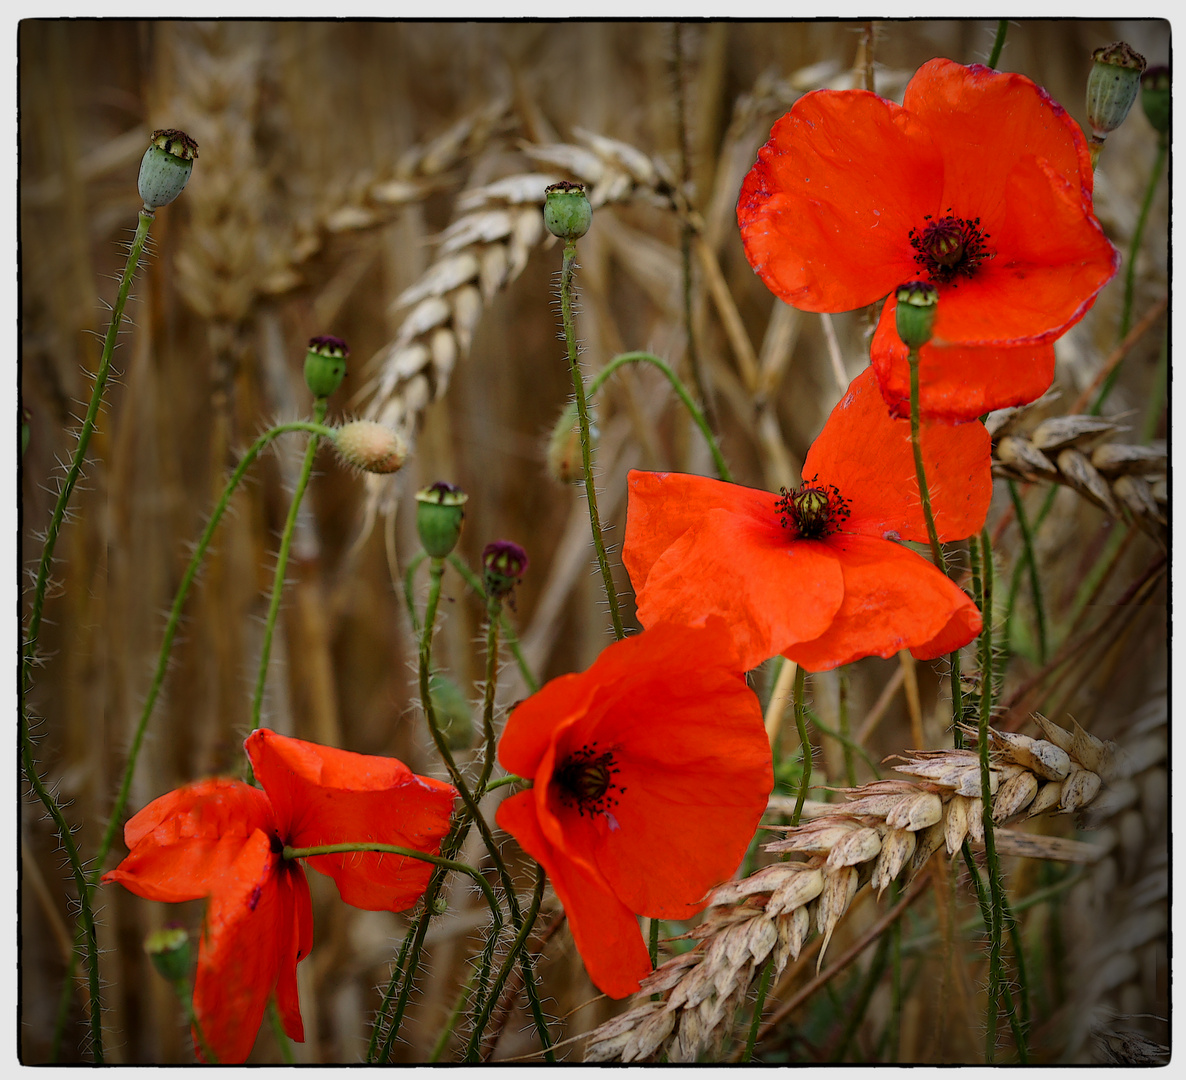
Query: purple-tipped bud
x,y
505,564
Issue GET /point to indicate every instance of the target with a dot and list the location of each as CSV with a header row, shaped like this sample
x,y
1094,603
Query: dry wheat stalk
x,y
1124,480
481,252
886,830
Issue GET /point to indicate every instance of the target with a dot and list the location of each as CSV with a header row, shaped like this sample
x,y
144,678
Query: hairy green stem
x,y
33,631
567,271
681,391
517,950
759,1005
998,43
1028,558
493,612
257,700
919,468
804,742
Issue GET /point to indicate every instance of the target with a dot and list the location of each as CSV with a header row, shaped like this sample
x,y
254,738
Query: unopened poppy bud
x,y
505,563
567,213
440,510
917,303
369,445
565,461
168,950
1112,86
1155,97
165,167
452,711
325,364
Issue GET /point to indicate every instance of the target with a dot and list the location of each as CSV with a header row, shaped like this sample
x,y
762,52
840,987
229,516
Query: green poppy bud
x,y
371,446
505,563
1155,97
567,212
440,510
165,167
452,712
169,951
917,304
325,365
1112,86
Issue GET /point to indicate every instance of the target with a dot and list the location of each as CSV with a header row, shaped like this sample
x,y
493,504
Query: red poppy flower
x,y
223,839
978,182
816,574
651,774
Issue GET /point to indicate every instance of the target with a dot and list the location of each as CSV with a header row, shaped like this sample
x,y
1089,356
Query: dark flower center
x,y
949,248
586,780
813,510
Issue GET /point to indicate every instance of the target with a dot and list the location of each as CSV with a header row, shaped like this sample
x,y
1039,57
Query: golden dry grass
x,y
335,158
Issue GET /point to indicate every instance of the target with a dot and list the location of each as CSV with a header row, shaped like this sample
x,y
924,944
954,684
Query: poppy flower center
x,y
813,510
950,248
586,780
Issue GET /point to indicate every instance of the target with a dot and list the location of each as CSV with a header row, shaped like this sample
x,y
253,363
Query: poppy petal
x,y
1017,115
826,211
867,454
182,845
958,382
246,933
296,911
330,796
893,599
741,564
606,932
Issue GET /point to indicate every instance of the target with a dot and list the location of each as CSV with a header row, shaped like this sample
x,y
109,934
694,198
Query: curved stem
x,y
681,391
567,271
920,468
1130,270
298,494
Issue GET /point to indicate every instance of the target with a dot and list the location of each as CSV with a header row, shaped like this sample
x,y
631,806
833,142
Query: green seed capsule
x,y
1112,86
168,950
325,365
440,510
165,167
1155,98
567,213
917,304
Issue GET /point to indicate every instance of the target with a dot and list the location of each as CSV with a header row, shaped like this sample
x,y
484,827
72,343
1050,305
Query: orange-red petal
x,y
958,382
322,795
182,845
247,941
867,454
893,600
605,930
826,211
736,562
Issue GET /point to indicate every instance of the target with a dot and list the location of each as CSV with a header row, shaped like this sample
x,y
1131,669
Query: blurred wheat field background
x,y
348,184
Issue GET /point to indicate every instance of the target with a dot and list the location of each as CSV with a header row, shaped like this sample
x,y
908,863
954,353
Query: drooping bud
x,y
453,715
168,949
917,303
440,510
505,563
371,446
1112,87
325,364
165,167
565,461
1155,97
567,213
